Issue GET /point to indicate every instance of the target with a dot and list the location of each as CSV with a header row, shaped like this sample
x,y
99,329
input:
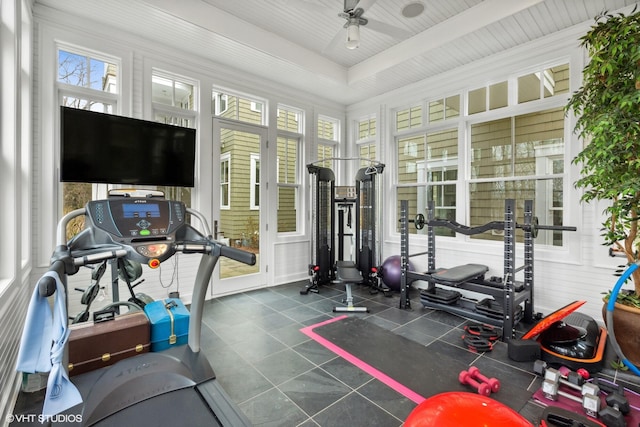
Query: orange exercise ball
x,y
462,409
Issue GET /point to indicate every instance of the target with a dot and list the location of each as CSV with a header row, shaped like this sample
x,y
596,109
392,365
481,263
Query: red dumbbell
x,y
564,371
467,379
494,383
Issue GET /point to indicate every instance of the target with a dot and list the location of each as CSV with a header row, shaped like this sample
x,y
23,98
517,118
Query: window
x,y
173,100
489,98
428,170
289,119
366,141
515,154
543,84
366,151
325,155
80,70
409,118
256,106
520,158
220,102
225,181
498,95
288,164
366,129
168,91
254,191
237,107
90,82
443,109
477,100
9,133
328,139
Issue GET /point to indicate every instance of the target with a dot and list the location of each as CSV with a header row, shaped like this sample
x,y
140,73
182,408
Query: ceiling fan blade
x,y
339,38
350,4
390,30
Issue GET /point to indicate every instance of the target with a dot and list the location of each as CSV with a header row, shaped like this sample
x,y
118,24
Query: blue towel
x,y
42,348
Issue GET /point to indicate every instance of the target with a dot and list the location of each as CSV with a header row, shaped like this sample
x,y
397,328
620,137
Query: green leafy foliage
x,y
618,365
607,107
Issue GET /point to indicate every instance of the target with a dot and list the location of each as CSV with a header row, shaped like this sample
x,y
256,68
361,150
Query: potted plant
x,y
607,107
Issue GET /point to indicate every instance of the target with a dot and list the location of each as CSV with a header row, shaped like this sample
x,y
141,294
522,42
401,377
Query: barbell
x,y
419,221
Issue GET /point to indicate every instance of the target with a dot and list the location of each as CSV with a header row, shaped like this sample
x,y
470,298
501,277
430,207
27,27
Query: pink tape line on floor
x,y
385,379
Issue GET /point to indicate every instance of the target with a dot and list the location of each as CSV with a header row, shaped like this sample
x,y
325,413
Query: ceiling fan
x,y
353,12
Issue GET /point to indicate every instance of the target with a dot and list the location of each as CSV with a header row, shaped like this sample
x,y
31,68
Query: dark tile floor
x,y
280,377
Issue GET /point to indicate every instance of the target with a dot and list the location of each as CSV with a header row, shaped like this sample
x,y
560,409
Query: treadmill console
x,y
146,227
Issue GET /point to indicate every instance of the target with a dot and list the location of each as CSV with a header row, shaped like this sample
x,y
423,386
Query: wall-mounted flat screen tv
x,y
105,148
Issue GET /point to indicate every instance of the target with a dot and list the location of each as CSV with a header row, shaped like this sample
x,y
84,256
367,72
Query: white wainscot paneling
x,y
291,261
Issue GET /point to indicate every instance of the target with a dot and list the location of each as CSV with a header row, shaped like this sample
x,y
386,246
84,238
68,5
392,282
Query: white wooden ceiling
x,y
300,43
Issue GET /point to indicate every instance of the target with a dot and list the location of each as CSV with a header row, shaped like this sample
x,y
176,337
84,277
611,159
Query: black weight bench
x,y
347,273
454,277
459,274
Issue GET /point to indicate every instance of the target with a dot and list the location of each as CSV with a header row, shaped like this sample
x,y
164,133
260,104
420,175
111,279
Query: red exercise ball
x,y
463,409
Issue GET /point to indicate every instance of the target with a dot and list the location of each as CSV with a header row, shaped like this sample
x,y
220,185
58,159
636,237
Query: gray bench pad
x,y
347,272
459,274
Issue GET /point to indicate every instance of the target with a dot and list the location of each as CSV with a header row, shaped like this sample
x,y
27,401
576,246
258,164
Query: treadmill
x,y
174,387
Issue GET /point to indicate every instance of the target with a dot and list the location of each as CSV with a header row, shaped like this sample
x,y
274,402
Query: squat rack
x,y
504,307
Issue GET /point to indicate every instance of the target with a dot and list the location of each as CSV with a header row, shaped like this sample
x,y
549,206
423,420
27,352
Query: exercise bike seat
x,y
346,272
459,274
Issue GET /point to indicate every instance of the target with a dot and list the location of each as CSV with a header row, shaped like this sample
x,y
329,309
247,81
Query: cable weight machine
x,y
330,204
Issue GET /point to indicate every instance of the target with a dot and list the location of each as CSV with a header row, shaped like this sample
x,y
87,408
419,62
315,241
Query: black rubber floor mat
x,y
425,370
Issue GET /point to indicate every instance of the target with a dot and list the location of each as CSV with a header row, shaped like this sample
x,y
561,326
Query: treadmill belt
x,y
178,408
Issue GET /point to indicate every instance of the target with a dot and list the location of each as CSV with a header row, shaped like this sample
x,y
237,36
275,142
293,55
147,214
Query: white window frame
x,y
220,99
254,182
225,158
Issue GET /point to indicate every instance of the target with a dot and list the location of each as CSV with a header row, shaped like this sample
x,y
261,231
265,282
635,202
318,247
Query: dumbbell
x,y
612,416
577,377
590,400
467,379
617,405
494,383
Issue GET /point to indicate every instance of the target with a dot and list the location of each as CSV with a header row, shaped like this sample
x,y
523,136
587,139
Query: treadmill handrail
x,y
61,232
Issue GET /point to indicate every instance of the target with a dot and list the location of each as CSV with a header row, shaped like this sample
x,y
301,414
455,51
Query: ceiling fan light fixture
x,y
353,35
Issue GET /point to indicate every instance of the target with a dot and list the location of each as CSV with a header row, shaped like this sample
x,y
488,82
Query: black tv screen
x,y
105,148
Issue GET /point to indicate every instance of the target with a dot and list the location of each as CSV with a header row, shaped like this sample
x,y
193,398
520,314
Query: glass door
x,y
240,208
